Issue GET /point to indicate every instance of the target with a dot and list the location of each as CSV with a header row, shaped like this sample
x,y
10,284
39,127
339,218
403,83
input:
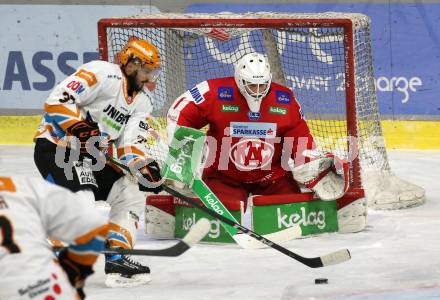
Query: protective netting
x,y
308,55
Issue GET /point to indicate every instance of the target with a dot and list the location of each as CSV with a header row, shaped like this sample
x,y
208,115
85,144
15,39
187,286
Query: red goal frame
x,y
345,23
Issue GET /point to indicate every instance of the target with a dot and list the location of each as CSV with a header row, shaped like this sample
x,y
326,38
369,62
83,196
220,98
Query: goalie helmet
x,y
142,51
253,78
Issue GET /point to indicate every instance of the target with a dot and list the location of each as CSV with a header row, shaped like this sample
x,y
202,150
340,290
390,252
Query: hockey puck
x,y
321,281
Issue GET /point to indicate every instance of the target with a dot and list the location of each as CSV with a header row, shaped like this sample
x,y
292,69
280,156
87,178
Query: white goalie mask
x,y
253,78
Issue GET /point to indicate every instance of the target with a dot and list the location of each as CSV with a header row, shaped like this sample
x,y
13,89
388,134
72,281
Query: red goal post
x,y
324,58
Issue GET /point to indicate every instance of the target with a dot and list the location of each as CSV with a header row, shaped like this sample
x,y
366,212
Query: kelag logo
x,y
38,72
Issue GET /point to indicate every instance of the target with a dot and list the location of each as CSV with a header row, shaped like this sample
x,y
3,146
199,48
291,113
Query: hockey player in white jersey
x,y
30,210
109,102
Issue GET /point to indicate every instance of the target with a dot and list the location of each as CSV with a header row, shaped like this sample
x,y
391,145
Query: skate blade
x,y
116,280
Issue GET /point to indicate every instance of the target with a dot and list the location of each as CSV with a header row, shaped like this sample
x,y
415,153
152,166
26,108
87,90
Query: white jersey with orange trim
x,y
99,89
31,210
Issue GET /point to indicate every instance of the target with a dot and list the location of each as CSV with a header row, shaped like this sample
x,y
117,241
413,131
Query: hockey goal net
x,y
324,58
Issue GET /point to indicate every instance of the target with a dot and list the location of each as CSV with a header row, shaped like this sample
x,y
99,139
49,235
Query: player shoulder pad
x,y
98,71
197,93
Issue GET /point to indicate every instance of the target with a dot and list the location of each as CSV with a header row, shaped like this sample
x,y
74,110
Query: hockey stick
x,y
211,201
313,262
195,234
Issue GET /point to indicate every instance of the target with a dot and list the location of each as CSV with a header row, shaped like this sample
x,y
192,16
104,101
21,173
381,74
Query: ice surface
x,y
397,257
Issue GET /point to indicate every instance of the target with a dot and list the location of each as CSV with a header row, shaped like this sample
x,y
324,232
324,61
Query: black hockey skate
x,y
123,271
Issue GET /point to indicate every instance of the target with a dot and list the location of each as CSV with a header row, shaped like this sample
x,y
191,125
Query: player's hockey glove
x,y
77,273
84,130
149,177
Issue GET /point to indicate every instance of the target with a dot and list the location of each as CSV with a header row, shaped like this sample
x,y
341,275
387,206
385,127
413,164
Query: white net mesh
x,y
307,52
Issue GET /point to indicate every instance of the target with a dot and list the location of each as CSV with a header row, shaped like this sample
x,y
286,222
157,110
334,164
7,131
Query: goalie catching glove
x,y
326,174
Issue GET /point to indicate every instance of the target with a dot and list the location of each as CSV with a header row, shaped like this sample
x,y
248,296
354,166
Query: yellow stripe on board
x,y
413,135
421,135
18,130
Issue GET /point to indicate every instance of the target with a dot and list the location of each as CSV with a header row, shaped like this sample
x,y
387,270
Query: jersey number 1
x,y
7,233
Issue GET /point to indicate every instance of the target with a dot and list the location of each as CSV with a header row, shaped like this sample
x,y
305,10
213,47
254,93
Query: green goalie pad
x,y
186,216
277,212
267,217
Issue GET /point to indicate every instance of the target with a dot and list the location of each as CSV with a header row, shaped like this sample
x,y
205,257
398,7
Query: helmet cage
x,y
253,69
259,93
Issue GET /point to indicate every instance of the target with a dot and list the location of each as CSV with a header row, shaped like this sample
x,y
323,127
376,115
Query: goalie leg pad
x,y
352,212
272,213
188,215
160,215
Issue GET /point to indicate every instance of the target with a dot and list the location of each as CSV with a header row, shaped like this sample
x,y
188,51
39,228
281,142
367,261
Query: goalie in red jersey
x,y
255,127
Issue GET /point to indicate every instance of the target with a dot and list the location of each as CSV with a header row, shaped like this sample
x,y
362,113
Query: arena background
x,y
43,41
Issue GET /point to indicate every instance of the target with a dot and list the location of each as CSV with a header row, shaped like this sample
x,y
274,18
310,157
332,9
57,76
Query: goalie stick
x,y
211,201
195,234
312,262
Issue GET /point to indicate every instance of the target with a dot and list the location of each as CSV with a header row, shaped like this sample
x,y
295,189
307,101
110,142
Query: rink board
x,y
408,135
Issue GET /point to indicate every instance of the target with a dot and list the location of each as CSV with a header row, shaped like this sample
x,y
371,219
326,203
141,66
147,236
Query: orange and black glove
x,y
77,273
149,177
84,130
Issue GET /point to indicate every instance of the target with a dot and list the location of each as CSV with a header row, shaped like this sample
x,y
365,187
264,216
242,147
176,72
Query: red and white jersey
x,y
31,210
247,147
99,88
